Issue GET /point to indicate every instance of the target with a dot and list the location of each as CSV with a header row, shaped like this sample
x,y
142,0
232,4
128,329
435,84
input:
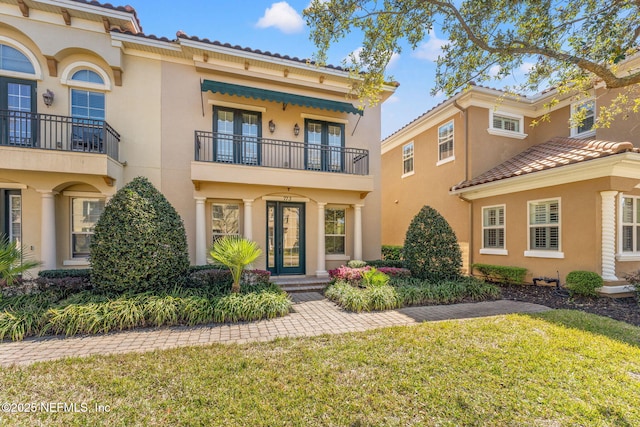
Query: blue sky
x,y
277,26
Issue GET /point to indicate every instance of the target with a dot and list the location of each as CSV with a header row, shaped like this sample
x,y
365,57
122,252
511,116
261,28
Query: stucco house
x,y
240,141
552,198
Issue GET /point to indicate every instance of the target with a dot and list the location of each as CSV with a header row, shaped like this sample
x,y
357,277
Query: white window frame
x,y
452,157
224,204
405,157
26,52
502,132
66,78
542,253
336,256
574,129
633,255
494,250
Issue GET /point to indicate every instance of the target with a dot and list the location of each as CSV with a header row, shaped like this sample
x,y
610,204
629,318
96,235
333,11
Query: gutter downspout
x,y
466,177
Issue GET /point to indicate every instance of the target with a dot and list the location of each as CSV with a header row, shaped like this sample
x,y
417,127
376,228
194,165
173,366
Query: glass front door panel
x,y
271,235
291,237
285,238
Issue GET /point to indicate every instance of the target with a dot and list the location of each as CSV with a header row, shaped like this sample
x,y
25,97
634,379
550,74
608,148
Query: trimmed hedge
x,y
392,252
139,242
431,249
584,283
501,273
62,273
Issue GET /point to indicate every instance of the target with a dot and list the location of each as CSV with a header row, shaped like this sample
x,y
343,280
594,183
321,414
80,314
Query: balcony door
x,y
285,238
325,146
18,102
236,136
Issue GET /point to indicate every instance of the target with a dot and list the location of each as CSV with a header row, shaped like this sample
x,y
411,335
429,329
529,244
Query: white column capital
x,y
200,199
321,204
48,193
248,201
609,193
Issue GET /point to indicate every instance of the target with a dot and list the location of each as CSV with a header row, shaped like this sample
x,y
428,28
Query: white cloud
x,y
431,49
527,66
493,71
395,57
283,17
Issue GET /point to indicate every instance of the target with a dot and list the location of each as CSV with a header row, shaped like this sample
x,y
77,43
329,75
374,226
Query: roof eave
x,y
623,164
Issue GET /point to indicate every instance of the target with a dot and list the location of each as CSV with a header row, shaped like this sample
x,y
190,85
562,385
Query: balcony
x,y
253,160
51,143
272,153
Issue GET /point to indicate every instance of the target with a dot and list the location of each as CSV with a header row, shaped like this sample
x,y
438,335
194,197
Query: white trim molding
x,y
492,251
30,56
507,133
69,70
544,254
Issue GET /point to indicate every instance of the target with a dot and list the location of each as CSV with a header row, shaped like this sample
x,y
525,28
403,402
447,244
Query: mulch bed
x,y
624,309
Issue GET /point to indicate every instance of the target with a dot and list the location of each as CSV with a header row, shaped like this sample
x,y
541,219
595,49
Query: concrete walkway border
x,y
313,315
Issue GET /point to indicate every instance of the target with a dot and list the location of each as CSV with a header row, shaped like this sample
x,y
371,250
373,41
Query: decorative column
x,y
201,232
357,232
248,218
48,231
321,270
609,235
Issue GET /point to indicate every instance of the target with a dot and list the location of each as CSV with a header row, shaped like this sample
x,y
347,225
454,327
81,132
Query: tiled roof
x,y
126,8
551,154
182,35
435,107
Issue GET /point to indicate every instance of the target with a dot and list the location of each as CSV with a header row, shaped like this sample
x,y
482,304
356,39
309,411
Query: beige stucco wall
x,y
156,111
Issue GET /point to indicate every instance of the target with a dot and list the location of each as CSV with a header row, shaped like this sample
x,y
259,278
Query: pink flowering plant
x,y
352,276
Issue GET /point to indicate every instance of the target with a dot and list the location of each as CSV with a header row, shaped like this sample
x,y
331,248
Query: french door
x,y
285,238
18,101
236,136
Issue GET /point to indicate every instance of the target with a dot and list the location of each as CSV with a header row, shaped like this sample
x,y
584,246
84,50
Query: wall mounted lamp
x,y
296,129
47,97
272,126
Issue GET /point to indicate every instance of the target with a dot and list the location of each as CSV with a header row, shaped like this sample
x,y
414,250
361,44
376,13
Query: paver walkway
x,y
313,315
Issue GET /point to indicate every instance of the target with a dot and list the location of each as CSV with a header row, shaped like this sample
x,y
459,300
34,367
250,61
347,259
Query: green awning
x,y
272,95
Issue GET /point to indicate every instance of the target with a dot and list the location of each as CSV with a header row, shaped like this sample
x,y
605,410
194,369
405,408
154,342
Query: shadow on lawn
x,y
587,322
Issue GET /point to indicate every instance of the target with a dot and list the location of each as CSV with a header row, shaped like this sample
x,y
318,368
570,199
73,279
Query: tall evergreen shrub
x,y
139,242
431,250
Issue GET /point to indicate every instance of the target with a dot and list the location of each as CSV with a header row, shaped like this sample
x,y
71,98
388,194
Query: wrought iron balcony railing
x,y
272,153
62,133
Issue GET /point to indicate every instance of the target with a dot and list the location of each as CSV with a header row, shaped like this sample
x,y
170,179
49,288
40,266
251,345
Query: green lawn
x,y
560,368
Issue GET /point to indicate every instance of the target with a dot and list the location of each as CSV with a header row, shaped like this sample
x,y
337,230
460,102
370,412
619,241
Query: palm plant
x,y
235,253
13,261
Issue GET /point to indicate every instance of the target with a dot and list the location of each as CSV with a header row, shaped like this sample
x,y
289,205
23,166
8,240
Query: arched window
x,y
87,76
12,59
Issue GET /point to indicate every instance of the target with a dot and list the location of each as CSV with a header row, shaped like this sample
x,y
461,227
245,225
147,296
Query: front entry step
x,y
300,283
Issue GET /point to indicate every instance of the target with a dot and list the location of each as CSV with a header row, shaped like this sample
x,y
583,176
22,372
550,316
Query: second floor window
x,y
445,141
583,116
407,158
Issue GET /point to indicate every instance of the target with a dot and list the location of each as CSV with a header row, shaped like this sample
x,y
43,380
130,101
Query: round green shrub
x,y
139,242
584,283
431,249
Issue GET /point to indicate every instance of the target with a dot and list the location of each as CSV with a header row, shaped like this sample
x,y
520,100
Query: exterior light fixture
x,y
272,126
47,97
296,129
